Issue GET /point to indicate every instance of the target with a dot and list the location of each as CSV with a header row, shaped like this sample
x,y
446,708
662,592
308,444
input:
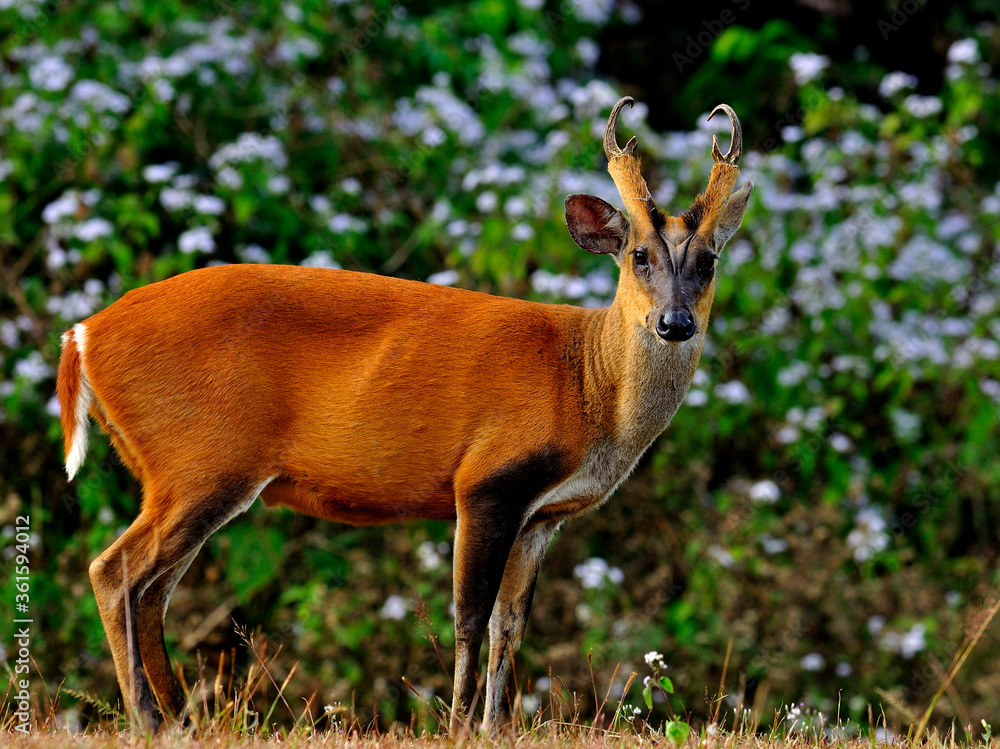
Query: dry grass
x,y
228,712
576,737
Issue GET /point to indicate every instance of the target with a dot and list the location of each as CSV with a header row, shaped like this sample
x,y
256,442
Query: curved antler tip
x,y
611,148
736,131
728,110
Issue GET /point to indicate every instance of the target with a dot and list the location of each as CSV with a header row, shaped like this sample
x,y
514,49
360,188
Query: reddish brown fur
x,y
250,405
68,389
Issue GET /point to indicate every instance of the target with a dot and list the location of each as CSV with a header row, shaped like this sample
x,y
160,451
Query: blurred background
x,y
827,499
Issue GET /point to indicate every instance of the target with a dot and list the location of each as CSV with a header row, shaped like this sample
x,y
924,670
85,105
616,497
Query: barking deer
x,y
364,399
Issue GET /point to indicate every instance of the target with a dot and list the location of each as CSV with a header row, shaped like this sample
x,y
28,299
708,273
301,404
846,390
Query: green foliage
x,y
676,731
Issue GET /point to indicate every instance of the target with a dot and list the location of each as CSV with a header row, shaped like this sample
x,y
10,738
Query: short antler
x,y
736,136
704,213
611,149
623,164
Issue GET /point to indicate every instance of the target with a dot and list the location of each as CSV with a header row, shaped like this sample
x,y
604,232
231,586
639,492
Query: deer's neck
x,y
633,382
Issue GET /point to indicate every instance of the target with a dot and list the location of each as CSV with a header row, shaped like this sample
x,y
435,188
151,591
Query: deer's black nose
x,y
675,325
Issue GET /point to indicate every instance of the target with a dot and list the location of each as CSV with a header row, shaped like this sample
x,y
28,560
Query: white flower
x,y
595,571
428,554
198,239
444,278
156,173
895,82
64,206
912,641
254,253
905,425
596,12
922,106
278,184
229,177
395,607
696,398
654,659
350,185
791,134
588,51
51,73
163,90
32,368
907,644
841,442
9,335
433,136
336,86
807,66
869,535
100,98
487,201
250,147
765,492
787,435
344,223
773,545
174,198
964,51
321,259
734,392
515,206
812,662
74,305
723,556
320,203
793,374
530,703
522,232
209,205
91,229
457,228
990,387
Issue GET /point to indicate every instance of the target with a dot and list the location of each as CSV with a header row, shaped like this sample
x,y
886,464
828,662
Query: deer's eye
x,y
641,257
706,265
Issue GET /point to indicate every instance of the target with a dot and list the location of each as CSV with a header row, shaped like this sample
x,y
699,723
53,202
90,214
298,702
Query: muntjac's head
x,y
667,263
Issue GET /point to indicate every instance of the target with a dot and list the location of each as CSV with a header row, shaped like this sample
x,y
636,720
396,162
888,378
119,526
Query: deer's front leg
x,y
483,539
510,615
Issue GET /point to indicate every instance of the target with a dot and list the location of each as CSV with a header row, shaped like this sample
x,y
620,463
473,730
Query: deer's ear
x,y
732,216
596,225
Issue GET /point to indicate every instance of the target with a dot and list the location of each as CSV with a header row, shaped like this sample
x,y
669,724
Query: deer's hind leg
x,y
152,648
147,559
